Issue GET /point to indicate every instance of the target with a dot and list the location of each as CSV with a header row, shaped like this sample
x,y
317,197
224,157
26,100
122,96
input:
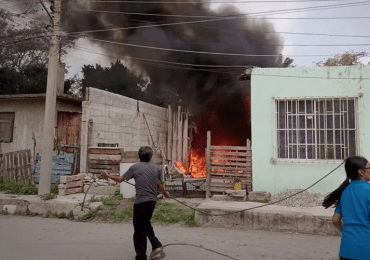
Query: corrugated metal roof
x,y
40,96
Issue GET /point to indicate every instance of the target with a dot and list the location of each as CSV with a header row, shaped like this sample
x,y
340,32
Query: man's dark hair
x,y
145,153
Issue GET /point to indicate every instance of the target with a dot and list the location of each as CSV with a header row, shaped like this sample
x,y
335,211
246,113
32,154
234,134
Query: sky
x,y
294,24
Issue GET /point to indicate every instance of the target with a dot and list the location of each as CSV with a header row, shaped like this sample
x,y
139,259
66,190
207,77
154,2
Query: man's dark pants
x,y
143,228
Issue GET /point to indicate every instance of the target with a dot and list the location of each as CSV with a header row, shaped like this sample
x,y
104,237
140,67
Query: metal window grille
x,y
317,128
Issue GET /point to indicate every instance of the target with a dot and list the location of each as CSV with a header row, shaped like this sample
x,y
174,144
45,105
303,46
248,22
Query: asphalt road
x,y
54,239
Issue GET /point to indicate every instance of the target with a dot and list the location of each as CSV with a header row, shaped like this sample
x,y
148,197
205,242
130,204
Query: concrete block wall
x,y
119,119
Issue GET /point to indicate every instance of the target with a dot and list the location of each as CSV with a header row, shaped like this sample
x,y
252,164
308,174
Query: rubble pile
x,y
304,199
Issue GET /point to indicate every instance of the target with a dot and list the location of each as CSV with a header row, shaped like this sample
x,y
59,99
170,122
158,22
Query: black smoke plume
x,y
217,99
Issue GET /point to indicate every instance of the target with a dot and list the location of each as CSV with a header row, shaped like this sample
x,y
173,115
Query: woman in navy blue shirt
x,y
352,212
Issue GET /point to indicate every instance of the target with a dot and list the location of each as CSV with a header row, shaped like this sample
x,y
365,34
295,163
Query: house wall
x,y
29,119
119,119
275,175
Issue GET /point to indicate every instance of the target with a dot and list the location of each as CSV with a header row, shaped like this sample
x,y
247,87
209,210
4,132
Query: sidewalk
x,y
312,220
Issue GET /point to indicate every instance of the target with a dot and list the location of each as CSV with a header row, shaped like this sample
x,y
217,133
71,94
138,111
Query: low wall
x,y
315,220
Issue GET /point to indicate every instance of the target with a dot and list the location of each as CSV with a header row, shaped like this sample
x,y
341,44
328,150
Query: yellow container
x,y
238,186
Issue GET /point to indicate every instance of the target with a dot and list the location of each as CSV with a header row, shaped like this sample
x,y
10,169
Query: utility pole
x,y
50,102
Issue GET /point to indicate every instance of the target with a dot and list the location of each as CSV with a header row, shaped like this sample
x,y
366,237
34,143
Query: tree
x,y
26,81
24,49
344,59
116,79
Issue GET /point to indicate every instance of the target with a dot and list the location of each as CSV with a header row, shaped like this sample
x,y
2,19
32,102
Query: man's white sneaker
x,y
157,254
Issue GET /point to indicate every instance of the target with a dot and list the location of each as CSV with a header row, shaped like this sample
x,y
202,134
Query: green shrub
x,y
12,187
70,215
54,190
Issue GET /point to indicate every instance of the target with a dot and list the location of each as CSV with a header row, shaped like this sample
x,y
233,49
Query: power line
x,y
236,16
216,2
205,52
209,16
155,62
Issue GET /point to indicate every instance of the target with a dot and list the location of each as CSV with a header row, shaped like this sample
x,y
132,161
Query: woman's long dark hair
x,y
352,165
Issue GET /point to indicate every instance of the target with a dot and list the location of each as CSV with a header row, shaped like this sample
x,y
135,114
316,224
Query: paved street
x,y
39,238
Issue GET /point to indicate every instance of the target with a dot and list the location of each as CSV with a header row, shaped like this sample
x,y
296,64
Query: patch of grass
x,y
171,213
262,201
70,215
62,215
113,200
89,216
116,209
48,196
11,187
94,199
54,190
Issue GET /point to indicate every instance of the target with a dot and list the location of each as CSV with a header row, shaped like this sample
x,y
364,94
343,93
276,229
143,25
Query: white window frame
x,y
315,129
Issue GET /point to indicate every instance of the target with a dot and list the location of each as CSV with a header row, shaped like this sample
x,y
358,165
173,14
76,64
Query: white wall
x,y
268,84
29,118
119,119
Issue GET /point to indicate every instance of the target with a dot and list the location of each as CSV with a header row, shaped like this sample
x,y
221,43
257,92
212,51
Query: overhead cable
x,y
236,16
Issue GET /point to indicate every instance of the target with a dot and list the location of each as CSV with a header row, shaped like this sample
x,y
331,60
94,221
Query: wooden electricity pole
x,y
50,102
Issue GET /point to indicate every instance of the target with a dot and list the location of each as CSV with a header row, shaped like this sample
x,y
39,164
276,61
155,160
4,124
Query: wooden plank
x,y
222,164
231,159
237,168
29,170
179,135
230,174
169,134
235,154
130,160
107,157
107,167
100,170
105,162
185,140
174,138
217,179
208,165
112,151
233,148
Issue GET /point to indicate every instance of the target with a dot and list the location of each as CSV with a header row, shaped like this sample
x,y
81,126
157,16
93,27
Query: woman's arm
x,y
337,221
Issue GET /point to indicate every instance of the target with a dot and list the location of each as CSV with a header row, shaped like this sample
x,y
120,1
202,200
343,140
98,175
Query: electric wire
x,y
236,16
215,2
206,52
210,16
256,207
158,63
210,250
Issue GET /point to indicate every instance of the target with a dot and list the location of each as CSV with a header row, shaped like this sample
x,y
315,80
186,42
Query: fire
x,y
181,167
197,165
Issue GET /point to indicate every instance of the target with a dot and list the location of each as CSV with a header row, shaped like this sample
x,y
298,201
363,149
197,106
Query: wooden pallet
x,y
16,166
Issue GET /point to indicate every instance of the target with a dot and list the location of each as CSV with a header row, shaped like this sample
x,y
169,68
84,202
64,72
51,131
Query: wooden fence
x,y
16,166
225,164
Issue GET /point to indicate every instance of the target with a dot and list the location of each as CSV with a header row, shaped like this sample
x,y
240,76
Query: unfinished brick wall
x,y
118,119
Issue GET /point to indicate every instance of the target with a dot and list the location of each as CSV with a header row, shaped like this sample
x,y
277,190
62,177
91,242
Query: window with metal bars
x,y
316,128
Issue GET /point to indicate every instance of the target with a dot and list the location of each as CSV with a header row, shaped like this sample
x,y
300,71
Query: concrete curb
x,y
313,220
34,205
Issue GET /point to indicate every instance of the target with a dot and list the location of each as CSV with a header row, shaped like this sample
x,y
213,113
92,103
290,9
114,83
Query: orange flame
x,y
197,165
